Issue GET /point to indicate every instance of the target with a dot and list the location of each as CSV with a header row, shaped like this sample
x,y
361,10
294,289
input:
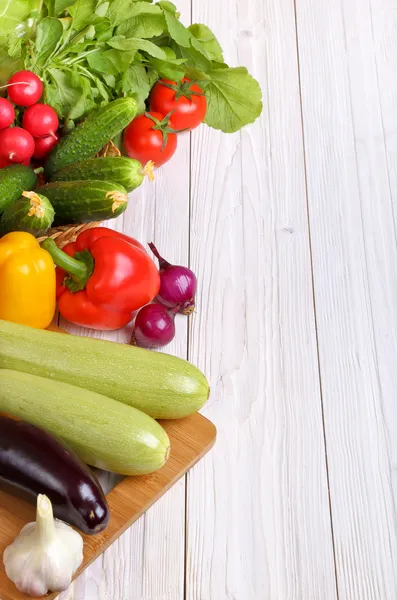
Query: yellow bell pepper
x,y
27,281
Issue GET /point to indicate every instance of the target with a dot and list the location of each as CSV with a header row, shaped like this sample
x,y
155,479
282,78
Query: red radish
x,y
44,145
7,113
4,162
16,145
24,88
40,120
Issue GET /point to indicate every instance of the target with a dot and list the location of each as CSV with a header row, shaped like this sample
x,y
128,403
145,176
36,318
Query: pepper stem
x,y
45,519
78,270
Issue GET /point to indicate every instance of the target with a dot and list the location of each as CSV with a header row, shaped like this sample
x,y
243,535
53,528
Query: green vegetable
x,y
112,48
85,201
125,171
32,212
104,433
13,181
233,97
92,135
163,386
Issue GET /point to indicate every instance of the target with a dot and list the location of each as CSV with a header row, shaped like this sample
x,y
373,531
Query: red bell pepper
x,y
103,278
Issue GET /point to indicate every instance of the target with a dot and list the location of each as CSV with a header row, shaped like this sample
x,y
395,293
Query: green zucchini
x,y
13,181
126,171
163,386
91,135
32,212
104,433
85,201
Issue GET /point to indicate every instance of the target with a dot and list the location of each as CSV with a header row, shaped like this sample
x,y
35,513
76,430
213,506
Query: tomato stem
x,y
163,126
182,88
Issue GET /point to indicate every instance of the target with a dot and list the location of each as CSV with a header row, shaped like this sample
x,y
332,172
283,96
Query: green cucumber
x,y
85,201
163,386
32,212
104,433
126,171
13,181
91,135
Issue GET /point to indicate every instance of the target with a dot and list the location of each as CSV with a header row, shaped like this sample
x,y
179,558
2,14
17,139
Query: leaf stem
x,y
80,57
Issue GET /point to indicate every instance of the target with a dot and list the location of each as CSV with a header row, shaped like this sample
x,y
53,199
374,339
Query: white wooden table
x,y
290,226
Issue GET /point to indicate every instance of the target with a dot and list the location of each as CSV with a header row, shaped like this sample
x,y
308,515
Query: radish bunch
x,y
38,134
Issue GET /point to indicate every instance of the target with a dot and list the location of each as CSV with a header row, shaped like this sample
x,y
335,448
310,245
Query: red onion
x,y
178,285
154,326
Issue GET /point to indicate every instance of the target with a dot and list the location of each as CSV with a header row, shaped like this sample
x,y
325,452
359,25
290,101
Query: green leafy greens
x,y
89,52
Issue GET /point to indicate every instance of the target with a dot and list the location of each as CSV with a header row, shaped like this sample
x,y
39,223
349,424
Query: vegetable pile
x,y
89,52
81,400
81,83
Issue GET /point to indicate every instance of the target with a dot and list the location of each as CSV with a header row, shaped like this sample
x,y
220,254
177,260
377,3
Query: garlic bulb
x,y
45,554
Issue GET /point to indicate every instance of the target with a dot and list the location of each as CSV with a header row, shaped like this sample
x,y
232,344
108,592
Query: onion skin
x,y
178,285
33,462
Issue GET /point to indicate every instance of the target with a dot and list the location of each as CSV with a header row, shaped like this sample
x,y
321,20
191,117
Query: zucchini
x,y
32,212
85,201
163,386
103,433
128,172
91,135
13,181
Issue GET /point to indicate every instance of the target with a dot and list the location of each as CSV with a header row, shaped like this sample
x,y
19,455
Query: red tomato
x,y
150,137
25,88
184,99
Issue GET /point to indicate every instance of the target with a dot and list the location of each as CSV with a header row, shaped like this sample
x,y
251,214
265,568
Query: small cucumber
x,y
103,432
85,201
13,181
32,212
125,171
91,135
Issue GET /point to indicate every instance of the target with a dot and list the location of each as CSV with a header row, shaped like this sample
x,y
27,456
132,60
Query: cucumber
x,y
32,212
103,433
126,171
163,386
91,135
85,201
13,181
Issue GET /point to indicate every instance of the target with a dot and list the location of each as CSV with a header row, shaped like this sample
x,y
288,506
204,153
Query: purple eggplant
x,y
33,462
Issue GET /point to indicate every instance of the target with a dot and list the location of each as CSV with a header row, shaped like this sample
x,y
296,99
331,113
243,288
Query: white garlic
x,y
45,554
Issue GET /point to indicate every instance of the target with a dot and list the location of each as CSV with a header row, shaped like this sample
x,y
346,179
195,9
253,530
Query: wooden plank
x,y
267,527
190,438
347,130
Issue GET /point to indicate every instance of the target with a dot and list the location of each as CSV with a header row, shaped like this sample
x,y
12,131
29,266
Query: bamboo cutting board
x,y
191,438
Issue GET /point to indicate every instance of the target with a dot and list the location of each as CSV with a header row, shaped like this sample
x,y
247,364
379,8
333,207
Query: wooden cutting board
x,y
191,438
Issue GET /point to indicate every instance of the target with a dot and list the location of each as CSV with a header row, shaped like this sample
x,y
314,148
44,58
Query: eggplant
x,y
33,462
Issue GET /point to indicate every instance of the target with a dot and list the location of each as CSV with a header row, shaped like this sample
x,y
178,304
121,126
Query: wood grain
x,y
190,438
349,130
254,336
